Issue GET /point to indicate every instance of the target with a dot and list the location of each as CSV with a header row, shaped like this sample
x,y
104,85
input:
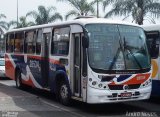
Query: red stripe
x,y
135,80
29,82
10,70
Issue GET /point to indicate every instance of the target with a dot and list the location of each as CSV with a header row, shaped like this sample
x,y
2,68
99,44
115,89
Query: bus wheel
x,y
18,80
64,94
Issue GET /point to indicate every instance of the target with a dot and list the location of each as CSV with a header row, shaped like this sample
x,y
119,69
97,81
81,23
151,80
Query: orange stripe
x,y
138,79
155,68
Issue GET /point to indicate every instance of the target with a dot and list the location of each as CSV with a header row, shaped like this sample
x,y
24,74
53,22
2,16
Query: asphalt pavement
x,y
37,103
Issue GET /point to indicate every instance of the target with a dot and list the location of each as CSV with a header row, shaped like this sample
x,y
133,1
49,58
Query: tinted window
x,y
117,47
30,42
38,42
10,43
18,45
60,41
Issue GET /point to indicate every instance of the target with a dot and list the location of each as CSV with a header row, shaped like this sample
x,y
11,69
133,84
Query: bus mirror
x,y
85,42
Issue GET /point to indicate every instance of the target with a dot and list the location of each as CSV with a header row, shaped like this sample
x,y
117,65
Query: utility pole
x,y
17,13
97,8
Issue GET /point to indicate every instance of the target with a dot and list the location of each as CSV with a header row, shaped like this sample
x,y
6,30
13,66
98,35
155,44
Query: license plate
x,y
126,94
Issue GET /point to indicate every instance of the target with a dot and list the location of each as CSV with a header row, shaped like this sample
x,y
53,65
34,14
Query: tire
x,y
19,80
64,94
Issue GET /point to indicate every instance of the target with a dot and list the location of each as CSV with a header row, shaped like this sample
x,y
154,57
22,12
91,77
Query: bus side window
x,y
38,42
153,45
7,44
60,41
18,45
30,42
10,43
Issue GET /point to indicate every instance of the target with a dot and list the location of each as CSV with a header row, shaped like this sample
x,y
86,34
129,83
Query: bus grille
x,y
120,87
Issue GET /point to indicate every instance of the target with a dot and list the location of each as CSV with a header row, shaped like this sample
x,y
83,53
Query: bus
x,y
92,60
153,40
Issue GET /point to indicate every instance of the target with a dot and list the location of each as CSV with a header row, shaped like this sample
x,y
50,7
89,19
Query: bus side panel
x,y
34,71
56,68
30,67
9,66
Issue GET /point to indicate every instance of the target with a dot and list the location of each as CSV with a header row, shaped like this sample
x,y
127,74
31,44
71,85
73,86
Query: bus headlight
x,y
94,83
97,85
100,85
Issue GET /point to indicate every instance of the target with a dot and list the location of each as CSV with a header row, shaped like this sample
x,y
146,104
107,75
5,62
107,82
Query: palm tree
x,y
81,8
104,2
3,23
138,9
11,24
22,23
44,16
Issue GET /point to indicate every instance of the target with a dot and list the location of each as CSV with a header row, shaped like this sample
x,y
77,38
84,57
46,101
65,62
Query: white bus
x,y
87,59
153,40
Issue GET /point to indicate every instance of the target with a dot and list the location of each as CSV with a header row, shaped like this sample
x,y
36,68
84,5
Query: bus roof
x,y
152,27
81,21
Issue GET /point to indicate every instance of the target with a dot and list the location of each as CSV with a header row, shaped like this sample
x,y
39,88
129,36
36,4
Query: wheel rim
x,y
64,92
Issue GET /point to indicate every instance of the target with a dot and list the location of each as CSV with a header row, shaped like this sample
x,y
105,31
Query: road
x,y
36,103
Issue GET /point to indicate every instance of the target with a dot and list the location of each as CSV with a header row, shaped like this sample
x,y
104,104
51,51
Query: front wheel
x,y
64,94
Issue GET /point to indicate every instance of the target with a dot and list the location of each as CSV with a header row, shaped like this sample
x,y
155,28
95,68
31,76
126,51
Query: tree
x,y
44,16
3,23
10,24
104,2
81,8
22,23
140,10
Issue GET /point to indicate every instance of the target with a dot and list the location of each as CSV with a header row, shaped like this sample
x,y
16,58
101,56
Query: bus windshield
x,y
117,47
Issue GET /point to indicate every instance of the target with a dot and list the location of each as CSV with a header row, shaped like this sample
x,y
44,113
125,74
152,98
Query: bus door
x,y
45,56
77,65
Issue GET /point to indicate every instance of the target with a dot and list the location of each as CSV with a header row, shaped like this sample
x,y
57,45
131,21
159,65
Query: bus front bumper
x,y
96,96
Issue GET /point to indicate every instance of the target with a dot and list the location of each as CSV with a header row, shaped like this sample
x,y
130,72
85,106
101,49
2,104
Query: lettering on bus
x,y
34,64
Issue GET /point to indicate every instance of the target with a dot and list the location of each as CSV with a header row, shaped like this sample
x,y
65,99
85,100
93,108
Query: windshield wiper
x,y
116,56
114,59
130,52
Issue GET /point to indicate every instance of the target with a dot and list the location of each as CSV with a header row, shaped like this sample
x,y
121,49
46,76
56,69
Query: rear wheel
x,y
64,94
18,80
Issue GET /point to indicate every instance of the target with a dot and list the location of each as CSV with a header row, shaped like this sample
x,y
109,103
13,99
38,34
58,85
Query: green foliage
x,y
138,9
80,8
44,16
3,23
20,24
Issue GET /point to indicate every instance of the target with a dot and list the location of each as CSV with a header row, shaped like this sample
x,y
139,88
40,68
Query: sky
x,y
9,8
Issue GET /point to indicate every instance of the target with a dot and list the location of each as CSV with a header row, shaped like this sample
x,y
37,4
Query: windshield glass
x,y
117,47
2,63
